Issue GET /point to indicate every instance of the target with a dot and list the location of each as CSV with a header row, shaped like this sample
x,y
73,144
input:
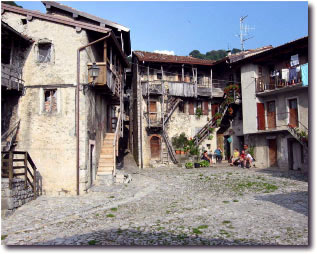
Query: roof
x,y
67,22
243,54
59,20
289,46
164,58
76,14
22,36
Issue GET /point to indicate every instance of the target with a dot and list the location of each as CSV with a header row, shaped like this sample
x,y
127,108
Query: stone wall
x,y
50,138
14,198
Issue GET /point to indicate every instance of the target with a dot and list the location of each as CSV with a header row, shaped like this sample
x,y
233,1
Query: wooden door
x,y
214,109
155,147
153,111
205,107
293,113
191,108
271,115
261,116
272,152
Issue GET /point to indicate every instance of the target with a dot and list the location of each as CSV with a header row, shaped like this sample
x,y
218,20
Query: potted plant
x,y
218,122
204,164
176,145
230,111
210,137
199,112
217,116
211,130
189,165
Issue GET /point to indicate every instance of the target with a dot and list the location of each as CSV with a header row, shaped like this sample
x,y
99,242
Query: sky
x,y
181,27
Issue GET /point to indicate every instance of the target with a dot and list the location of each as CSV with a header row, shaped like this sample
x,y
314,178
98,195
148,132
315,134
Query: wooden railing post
x,y
10,167
25,170
34,183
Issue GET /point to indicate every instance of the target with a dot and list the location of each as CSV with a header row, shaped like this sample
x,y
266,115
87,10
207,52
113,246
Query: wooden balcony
x,y
267,84
107,77
11,77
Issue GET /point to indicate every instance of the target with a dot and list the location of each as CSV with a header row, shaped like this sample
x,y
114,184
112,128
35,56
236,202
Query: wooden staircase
x,y
293,132
107,156
169,147
204,131
172,103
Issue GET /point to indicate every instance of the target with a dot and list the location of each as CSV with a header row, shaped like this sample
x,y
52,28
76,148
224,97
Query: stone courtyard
x,y
220,205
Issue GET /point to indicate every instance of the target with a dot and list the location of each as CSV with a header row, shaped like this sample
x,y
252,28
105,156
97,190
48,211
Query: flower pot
x,y
182,152
178,151
197,165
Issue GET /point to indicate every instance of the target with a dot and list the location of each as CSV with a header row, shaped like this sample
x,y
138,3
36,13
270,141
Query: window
x,y
44,52
50,100
181,107
159,75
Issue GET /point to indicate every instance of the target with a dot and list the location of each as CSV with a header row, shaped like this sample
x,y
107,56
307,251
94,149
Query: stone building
x,y
71,141
275,105
172,95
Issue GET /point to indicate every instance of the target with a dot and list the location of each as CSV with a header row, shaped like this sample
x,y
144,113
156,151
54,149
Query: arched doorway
x,y
155,144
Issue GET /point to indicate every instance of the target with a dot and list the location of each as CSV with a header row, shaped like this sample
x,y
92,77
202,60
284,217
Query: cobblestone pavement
x,y
172,206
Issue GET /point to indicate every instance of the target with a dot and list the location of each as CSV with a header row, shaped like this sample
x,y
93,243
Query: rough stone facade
x,y
50,137
16,197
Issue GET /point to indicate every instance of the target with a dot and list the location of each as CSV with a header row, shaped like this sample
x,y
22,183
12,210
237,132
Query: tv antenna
x,y
244,32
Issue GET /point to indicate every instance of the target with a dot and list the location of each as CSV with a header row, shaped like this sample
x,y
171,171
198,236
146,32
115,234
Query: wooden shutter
x,y
191,108
261,116
205,107
293,113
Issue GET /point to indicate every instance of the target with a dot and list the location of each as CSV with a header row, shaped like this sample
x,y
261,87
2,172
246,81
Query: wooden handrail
x,y
27,171
115,142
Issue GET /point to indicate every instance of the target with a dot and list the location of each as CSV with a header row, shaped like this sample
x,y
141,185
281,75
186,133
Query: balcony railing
x,y
268,83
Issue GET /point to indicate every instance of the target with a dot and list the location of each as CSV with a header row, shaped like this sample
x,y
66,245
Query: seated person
x,y
248,160
235,158
242,158
218,154
206,157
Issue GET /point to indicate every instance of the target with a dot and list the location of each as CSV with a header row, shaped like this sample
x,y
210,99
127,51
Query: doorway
x,y
272,152
92,170
293,112
295,151
155,144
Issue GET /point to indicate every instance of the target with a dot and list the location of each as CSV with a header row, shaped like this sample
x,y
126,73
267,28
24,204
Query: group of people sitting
x,y
217,155
244,159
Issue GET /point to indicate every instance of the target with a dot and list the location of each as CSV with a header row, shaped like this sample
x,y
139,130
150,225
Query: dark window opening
x,y
181,107
44,52
159,75
24,21
50,101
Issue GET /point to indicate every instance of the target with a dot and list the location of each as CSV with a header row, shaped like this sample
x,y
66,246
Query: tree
x,y
11,3
213,54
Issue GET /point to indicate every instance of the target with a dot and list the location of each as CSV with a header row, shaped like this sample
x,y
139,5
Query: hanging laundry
x,y
292,74
294,60
304,72
285,74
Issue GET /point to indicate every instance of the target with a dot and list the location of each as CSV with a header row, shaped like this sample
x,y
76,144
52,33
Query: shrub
x,y
199,112
204,164
189,165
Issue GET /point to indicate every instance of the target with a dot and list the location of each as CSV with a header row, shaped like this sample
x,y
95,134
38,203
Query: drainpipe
x,y
77,105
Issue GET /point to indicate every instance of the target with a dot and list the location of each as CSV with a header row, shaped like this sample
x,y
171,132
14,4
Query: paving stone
x,y
172,206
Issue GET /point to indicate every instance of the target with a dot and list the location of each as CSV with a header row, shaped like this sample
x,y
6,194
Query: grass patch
x,y
202,226
3,237
224,232
110,215
235,200
111,197
225,202
226,222
97,214
197,231
92,242
168,211
254,186
114,209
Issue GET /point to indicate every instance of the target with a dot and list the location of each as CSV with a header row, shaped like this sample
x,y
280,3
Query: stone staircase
x,y
107,157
